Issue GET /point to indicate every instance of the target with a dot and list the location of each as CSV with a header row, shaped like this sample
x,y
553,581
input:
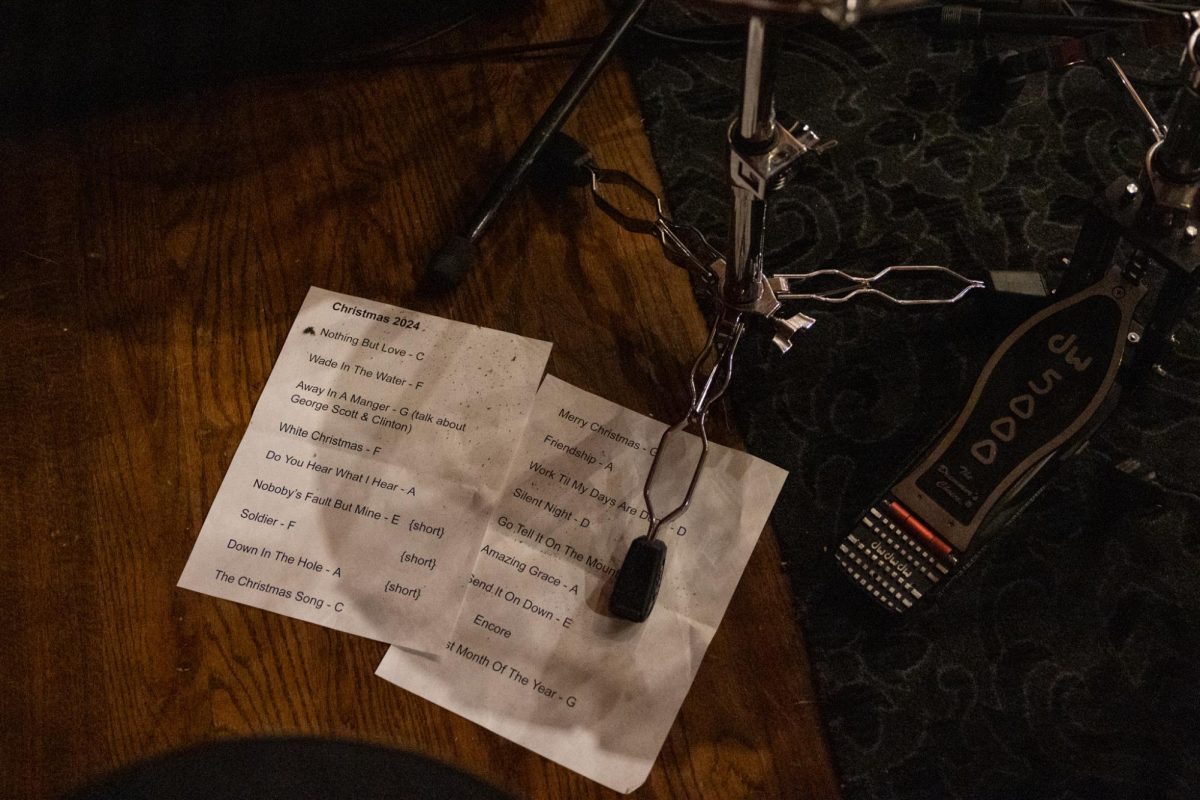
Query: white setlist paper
x,y
534,655
362,487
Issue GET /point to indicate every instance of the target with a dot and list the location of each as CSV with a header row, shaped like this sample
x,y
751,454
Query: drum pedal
x,y
1041,393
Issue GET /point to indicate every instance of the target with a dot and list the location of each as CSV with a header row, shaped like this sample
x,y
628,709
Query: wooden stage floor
x,y
152,257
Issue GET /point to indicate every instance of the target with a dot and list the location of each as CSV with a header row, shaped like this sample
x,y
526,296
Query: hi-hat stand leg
x,y
762,153
452,262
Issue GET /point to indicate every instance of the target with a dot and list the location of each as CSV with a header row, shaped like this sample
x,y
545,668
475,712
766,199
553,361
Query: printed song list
x,y
534,655
360,491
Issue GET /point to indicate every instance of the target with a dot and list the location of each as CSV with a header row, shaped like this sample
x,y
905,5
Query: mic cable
x,y
970,20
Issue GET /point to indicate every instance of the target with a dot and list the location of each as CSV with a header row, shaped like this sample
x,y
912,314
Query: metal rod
x,y
756,130
1136,97
758,83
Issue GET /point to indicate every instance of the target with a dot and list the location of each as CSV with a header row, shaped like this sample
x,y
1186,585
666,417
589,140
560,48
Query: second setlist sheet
x,y
535,655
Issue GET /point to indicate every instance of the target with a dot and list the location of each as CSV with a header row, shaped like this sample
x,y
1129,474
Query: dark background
x,y
61,54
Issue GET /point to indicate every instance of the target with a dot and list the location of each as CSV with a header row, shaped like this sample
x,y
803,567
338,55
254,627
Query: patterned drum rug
x,y
1063,663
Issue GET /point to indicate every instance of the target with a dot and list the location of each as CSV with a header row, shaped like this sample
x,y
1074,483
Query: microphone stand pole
x,y
452,262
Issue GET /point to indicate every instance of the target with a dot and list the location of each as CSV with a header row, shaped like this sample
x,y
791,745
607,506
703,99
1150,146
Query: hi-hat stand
x,y
763,153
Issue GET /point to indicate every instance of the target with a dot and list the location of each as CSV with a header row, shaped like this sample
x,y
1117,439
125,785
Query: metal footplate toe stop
x,y
894,557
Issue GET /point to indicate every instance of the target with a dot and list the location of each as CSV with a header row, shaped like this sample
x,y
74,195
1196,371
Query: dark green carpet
x,y
1064,664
